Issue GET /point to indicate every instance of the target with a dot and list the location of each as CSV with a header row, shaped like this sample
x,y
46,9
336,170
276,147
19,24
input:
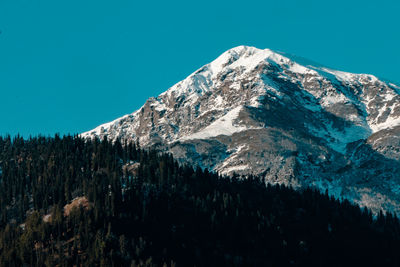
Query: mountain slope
x,y
258,111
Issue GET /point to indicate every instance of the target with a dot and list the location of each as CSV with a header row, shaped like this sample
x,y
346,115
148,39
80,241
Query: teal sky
x,y
68,66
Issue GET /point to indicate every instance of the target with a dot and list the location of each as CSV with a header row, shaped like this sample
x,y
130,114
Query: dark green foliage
x,y
163,214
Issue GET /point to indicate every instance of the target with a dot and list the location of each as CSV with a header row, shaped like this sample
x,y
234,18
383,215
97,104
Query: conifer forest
x,y
66,201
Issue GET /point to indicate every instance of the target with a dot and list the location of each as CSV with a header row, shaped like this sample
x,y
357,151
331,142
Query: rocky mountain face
x,y
262,112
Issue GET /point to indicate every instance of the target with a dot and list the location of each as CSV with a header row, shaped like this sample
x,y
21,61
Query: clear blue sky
x,y
68,66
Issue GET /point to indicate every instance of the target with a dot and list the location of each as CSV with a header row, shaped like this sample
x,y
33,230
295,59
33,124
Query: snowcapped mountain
x,y
262,112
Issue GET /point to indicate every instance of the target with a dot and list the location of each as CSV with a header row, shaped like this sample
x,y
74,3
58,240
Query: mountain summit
x,y
261,112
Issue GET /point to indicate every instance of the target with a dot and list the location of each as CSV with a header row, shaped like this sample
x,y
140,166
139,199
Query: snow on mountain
x,y
225,125
263,112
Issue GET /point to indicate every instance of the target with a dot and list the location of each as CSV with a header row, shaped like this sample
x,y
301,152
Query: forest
x,y
66,201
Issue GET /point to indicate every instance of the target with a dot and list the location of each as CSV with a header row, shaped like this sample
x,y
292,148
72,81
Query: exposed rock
x,y
76,203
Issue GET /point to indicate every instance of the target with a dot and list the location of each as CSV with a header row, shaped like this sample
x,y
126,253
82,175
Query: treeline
x,y
141,208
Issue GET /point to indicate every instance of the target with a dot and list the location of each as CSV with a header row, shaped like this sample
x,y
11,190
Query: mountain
x,y
254,111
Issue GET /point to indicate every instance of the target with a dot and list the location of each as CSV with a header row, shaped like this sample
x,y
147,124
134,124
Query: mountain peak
x,y
243,49
245,75
243,53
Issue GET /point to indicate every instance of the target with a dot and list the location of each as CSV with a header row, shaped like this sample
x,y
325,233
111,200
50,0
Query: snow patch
x,y
225,125
218,101
301,69
235,168
332,99
389,123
